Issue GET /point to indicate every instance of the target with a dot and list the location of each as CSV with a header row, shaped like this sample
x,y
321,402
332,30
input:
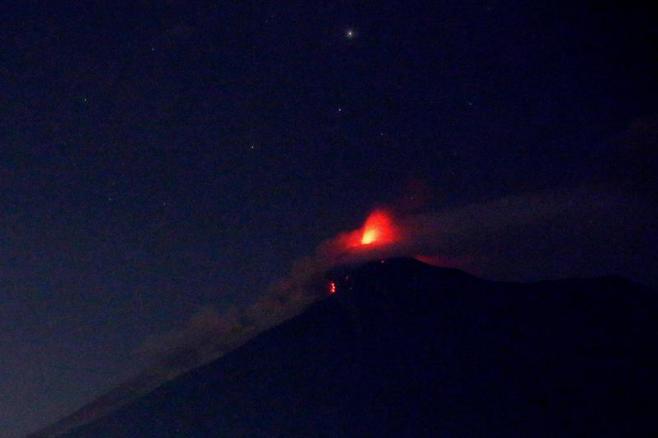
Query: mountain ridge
x,y
406,348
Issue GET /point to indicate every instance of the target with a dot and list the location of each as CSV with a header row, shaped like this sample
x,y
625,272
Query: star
x,y
350,34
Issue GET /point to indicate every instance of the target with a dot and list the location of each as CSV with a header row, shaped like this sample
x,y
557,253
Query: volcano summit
x,y
407,349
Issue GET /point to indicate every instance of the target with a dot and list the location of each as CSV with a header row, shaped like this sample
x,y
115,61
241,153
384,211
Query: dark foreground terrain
x,y
406,349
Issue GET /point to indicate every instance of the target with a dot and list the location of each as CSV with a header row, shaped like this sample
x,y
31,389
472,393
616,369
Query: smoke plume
x,y
585,231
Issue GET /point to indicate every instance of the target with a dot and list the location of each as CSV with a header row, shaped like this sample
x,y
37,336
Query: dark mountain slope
x,y
406,349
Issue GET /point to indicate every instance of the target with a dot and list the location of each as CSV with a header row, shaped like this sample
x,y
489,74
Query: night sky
x,y
161,157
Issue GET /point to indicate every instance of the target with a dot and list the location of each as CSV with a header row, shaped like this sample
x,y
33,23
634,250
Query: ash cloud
x,y
585,231
590,230
209,333
206,334
604,226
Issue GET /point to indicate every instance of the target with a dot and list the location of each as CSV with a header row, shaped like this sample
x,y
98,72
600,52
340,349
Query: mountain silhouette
x,y
407,349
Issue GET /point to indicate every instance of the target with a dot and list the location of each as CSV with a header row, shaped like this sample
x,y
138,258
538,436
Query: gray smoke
x,y
586,231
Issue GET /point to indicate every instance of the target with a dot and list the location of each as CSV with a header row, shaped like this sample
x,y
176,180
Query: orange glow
x,y
378,230
433,260
332,287
369,236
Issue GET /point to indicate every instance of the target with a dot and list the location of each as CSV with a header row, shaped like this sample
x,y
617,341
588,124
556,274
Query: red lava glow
x,y
332,287
433,260
463,263
378,230
369,236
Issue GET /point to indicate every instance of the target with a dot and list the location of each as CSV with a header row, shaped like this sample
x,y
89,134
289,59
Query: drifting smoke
x,y
552,234
209,334
587,231
591,230
525,237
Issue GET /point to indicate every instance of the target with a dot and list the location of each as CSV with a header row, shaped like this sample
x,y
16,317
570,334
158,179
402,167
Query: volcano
x,y
401,348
